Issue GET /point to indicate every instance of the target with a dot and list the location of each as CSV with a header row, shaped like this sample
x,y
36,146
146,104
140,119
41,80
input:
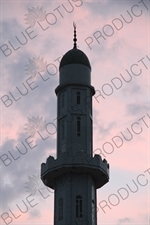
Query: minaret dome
x,y
75,56
75,68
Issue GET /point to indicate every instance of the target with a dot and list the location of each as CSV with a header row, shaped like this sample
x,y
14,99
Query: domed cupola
x,y
75,68
75,56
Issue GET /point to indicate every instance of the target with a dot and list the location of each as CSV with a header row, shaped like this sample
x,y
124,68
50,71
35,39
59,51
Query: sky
x,y
115,35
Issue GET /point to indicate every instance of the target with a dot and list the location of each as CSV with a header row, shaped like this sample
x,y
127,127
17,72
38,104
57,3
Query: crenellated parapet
x,y
80,163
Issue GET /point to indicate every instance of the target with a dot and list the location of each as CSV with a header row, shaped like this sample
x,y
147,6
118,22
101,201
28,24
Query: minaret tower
x,y
75,174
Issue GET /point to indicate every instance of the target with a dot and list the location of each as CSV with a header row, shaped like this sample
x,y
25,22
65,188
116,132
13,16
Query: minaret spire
x,y
75,36
75,174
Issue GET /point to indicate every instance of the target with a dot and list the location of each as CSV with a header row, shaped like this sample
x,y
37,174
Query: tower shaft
x,y
75,174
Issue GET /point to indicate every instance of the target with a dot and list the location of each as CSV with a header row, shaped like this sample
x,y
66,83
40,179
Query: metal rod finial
x,y
75,36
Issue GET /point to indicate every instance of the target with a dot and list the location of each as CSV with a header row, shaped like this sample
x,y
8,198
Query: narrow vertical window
x,y
78,98
93,211
78,126
60,209
63,129
63,100
78,206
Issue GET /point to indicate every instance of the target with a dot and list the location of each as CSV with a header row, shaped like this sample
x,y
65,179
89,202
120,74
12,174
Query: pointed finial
x,y
75,39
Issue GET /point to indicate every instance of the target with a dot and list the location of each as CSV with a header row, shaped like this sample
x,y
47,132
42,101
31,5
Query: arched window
x,y
78,98
78,206
60,209
78,126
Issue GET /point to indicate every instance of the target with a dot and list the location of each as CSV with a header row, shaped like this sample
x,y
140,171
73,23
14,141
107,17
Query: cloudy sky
x,y
115,36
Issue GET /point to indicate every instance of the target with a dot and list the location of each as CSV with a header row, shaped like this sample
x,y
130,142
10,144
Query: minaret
x,y
75,174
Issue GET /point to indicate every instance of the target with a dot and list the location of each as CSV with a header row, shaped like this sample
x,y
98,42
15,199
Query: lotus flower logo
x,y
35,66
34,184
34,15
35,124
